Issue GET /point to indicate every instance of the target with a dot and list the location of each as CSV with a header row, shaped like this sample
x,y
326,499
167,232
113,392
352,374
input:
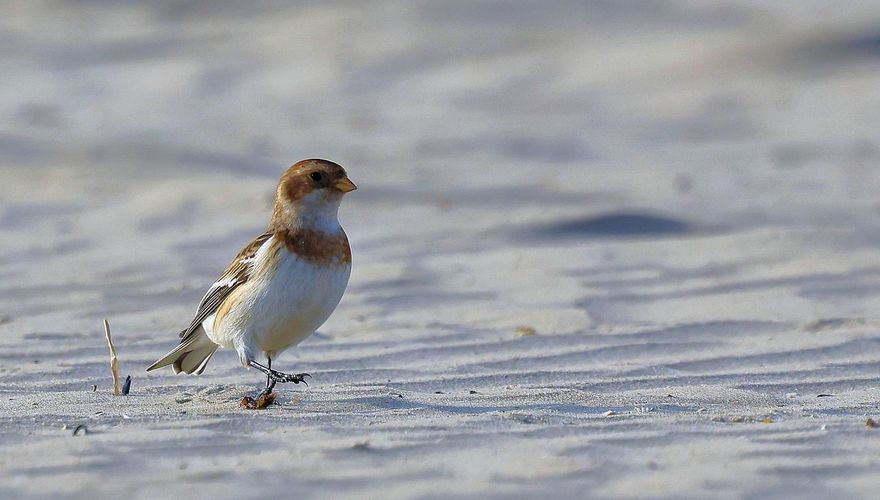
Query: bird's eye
x,y
316,176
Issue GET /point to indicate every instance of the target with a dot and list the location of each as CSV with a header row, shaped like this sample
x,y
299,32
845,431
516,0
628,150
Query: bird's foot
x,y
283,378
274,376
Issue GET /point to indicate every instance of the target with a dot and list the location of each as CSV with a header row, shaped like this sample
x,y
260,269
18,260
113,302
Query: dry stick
x,y
114,364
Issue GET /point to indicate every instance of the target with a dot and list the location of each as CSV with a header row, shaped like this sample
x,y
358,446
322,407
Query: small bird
x,y
281,286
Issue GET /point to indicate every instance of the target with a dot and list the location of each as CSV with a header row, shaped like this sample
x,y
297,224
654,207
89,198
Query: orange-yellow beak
x,y
345,185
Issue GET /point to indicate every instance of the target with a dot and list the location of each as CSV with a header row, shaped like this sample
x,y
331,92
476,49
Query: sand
x,y
679,199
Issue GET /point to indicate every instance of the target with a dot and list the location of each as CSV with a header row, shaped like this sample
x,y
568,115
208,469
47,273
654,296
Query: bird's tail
x,y
191,356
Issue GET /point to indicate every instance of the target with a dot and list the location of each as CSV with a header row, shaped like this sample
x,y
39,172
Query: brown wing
x,y
235,275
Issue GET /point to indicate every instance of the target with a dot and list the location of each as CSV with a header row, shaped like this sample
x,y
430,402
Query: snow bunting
x,y
281,286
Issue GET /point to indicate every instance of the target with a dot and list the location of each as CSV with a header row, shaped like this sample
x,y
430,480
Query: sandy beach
x,y
601,249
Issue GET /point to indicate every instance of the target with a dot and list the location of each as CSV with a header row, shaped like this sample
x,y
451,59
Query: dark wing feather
x,y
235,275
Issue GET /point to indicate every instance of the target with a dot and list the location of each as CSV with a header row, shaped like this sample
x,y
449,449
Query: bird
x,y
282,286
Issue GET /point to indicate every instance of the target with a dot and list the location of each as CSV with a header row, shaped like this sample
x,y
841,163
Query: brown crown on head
x,y
306,176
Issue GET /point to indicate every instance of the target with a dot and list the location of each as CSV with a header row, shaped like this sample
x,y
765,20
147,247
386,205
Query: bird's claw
x,y
296,378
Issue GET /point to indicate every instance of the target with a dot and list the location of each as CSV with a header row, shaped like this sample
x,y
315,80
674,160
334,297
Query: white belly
x,y
283,308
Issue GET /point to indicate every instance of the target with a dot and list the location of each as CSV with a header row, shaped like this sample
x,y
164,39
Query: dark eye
x,y
316,176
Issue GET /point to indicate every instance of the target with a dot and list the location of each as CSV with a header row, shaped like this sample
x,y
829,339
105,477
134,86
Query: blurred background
x,y
141,142
567,211
133,134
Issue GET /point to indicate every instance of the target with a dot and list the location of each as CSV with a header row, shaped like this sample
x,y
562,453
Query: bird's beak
x,y
345,185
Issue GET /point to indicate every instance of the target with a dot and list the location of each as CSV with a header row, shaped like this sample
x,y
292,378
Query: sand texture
x,y
601,249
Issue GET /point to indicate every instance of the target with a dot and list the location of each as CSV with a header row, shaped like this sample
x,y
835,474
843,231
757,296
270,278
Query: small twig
x,y
114,363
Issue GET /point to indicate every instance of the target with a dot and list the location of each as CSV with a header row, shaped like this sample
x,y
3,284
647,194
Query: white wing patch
x,y
227,281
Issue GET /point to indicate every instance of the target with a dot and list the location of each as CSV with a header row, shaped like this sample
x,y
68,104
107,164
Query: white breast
x,y
281,308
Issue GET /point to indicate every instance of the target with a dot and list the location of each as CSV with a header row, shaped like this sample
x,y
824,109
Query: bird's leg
x,y
270,384
276,376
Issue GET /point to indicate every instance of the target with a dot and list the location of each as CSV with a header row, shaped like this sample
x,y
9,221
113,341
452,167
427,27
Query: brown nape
x,y
316,246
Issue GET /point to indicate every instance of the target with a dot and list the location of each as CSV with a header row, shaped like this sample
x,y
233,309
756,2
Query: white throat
x,y
316,212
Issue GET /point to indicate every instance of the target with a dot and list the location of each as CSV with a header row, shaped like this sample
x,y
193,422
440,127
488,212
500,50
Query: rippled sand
x,y
680,199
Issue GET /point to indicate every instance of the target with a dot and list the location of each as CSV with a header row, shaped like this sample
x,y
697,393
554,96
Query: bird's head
x,y
309,194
